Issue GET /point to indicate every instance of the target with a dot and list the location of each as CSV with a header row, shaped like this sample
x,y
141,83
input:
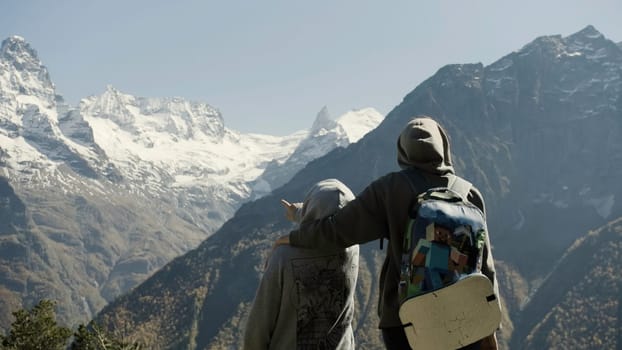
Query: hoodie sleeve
x,y
265,310
359,221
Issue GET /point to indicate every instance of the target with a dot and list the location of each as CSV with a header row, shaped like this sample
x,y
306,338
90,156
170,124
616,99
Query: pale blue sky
x,y
269,66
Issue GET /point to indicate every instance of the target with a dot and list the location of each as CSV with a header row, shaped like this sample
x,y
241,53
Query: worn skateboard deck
x,y
453,316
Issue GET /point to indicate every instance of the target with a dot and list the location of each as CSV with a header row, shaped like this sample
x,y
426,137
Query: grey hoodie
x,y
381,210
305,299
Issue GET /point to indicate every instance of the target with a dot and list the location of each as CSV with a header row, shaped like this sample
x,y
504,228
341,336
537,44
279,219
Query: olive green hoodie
x,y
381,210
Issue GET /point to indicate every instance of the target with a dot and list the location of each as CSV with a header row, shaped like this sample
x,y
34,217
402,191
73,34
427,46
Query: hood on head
x,y
424,144
324,198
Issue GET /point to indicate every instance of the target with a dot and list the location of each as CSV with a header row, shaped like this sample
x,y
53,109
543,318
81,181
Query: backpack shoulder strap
x,y
456,183
412,176
460,186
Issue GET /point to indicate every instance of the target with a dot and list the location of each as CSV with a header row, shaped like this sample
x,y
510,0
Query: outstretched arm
x,y
361,220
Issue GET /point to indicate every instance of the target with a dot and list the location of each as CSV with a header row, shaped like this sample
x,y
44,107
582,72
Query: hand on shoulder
x,y
279,241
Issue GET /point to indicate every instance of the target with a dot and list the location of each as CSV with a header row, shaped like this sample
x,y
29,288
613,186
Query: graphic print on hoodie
x,y
320,286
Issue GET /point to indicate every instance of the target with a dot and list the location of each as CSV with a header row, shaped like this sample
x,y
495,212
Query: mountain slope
x,y
579,306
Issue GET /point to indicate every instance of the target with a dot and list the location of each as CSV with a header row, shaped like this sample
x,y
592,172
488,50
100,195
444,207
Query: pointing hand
x,y
290,210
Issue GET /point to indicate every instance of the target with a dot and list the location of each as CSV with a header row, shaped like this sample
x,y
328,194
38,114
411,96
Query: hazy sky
x,y
270,66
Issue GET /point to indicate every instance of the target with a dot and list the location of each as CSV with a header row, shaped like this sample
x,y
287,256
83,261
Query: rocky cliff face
x,y
562,111
538,131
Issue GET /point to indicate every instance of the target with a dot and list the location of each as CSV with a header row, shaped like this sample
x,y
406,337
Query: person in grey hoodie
x,y
381,211
305,299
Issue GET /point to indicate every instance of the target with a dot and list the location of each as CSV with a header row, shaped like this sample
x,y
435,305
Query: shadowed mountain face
x,y
539,132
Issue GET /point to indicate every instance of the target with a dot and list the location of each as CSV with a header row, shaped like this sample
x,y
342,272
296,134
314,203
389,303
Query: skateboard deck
x,y
452,317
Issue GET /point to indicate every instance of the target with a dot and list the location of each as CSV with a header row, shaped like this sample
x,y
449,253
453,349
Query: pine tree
x,y
92,337
36,329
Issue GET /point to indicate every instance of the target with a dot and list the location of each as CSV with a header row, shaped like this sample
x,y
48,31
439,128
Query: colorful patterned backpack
x,y
443,295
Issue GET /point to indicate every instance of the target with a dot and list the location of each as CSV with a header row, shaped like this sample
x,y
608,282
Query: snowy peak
x,y
186,118
345,129
323,121
112,104
176,117
358,122
18,52
29,128
350,126
21,71
325,135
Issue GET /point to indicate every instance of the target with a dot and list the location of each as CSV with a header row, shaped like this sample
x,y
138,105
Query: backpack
x,y
445,300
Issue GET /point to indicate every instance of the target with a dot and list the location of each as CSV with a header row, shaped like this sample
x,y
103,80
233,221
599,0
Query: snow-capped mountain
x,y
325,134
29,117
115,187
152,146
174,147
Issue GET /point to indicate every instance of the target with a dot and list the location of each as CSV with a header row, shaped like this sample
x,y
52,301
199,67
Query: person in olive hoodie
x,y
305,299
380,211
